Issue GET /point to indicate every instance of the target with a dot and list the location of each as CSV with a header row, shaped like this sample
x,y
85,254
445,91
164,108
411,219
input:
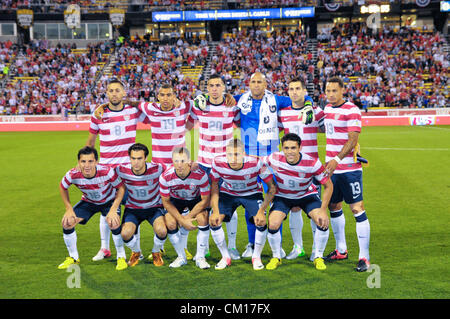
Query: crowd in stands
x,y
401,67
58,6
280,56
52,79
143,65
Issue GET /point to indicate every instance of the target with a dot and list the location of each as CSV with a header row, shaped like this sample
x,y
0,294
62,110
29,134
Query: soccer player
x,y
288,120
259,130
180,187
117,132
239,174
342,129
103,191
144,203
216,122
294,172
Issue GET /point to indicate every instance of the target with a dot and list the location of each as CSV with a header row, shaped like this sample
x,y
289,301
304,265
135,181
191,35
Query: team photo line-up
x,y
177,195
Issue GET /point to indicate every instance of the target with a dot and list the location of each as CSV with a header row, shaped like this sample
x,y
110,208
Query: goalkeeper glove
x,y
200,101
307,113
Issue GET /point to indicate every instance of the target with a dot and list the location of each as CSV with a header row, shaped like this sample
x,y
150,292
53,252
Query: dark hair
x,y
86,151
216,76
138,147
166,86
181,150
236,143
115,80
291,137
337,80
299,79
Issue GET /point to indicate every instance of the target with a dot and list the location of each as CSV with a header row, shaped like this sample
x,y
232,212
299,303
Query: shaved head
x,y
258,85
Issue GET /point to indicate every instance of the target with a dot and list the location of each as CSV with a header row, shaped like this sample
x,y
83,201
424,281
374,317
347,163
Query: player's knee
x,y
127,231
334,206
202,219
357,207
162,231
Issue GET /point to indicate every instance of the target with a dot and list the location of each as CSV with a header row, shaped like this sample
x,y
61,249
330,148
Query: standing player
x,y
294,172
117,132
182,187
342,128
259,130
102,192
216,120
239,174
144,203
288,120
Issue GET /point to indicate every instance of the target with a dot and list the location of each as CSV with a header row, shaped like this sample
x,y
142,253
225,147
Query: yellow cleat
x,y
68,262
188,254
320,264
134,259
273,264
121,264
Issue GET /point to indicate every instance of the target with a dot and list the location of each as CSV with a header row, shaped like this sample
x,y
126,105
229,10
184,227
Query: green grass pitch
x,y
406,195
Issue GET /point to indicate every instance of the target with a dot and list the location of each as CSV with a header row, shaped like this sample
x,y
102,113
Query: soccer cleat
x,y
257,264
336,255
223,263
141,257
201,263
188,254
312,257
178,262
157,259
162,251
134,259
273,264
248,252
121,264
69,261
319,263
363,265
297,251
234,254
102,253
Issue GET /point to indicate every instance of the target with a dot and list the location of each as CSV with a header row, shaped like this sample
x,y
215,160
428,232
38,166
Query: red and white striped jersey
x,y
338,122
215,130
168,129
295,181
288,120
117,131
194,185
242,182
143,190
99,189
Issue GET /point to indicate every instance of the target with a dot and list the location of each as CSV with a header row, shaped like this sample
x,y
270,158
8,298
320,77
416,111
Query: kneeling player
x,y
103,191
239,174
294,172
144,203
182,187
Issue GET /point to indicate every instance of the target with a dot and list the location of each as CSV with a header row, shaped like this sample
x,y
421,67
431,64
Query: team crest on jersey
x,y
301,174
336,116
177,113
192,186
247,176
101,185
126,117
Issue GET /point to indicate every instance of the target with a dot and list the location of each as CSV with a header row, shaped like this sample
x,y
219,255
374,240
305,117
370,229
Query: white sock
x,y
202,241
363,233
118,242
320,239
105,232
138,238
275,243
313,229
158,244
338,227
132,244
71,243
296,227
177,243
184,236
219,238
232,226
260,241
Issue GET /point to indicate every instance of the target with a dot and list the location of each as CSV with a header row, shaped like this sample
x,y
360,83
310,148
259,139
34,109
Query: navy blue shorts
x,y
347,187
307,204
207,170
181,204
86,210
137,216
228,204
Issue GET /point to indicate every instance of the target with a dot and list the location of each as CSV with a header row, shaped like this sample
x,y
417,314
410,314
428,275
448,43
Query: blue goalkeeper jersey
x,y
250,125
